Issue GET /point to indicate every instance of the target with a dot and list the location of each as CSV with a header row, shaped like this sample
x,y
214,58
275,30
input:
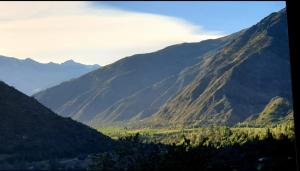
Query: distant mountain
x,y
220,81
29,131
31,77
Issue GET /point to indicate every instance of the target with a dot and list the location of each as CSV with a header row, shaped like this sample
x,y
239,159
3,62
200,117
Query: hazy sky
x,y
103,32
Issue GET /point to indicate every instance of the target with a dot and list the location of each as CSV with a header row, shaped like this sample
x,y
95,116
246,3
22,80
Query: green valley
x,y
209,148
221,135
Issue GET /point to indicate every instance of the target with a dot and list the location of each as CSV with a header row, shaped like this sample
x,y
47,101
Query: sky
x,y
104,32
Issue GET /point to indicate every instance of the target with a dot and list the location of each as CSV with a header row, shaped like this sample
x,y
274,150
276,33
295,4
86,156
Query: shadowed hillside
x,y
30,131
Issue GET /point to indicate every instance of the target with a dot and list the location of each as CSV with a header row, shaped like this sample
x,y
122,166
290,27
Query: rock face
x,y
29,131
29,76
220,81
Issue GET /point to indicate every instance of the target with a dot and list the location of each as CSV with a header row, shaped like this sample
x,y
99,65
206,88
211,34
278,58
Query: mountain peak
x,y
30,60
70,61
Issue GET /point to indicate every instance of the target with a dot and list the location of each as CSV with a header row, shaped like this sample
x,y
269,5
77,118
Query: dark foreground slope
x,y
29,76
30,131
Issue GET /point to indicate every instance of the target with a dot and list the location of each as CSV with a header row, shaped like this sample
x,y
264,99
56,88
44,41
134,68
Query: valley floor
x,y
209,148
214,134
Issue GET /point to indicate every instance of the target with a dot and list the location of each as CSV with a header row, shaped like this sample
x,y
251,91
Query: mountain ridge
x,y
30,76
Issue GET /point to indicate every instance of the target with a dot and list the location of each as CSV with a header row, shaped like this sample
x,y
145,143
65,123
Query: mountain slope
x,y
30,76
31,131
239,80
128,88
220,81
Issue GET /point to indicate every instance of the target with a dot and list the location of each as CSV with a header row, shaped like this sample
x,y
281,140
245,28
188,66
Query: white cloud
x,y
57,31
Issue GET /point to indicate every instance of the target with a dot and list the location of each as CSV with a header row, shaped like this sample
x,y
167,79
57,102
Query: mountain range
x,y
31,77
221,81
